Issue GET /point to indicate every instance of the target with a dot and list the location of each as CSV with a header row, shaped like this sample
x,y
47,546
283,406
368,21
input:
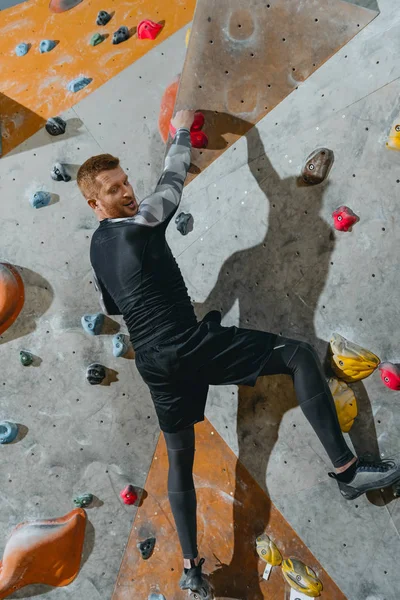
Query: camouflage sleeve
x,y
161,205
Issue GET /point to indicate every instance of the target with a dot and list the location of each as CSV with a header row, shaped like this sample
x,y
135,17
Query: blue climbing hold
x,y
40,199
22,49
120,345
78,84
93,323
47,46
8,432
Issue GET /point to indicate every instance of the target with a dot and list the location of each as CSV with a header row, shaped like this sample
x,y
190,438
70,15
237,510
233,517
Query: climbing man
x,y
179,357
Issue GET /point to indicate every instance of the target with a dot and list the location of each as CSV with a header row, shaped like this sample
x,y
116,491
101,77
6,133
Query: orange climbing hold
x,y
167,108
47,552
11,295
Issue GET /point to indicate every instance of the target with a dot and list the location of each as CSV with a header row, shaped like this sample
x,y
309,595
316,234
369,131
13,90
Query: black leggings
x,y
290,357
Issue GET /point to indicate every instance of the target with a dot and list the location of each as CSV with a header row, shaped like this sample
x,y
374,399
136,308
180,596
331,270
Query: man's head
x,y
106,187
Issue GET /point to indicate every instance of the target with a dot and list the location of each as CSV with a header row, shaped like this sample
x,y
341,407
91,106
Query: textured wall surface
x,y
262,250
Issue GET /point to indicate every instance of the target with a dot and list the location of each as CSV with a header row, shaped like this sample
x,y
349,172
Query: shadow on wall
x,y
371,4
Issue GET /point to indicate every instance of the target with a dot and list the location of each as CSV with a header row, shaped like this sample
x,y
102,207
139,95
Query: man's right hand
x,y
183,118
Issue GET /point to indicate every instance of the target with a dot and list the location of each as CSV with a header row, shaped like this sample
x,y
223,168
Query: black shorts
x,y
179,370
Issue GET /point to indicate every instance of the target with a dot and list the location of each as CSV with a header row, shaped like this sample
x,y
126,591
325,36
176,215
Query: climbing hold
x,y
267,550
393,142
26,358
390,375
198,121
184,223
83,501
301,578
59,173
154,596
167,109
198,139
11,295
78,84
146,548
351,362
121,35
96,39
55,126
318,165
129,495
103,18
93,323
95,373
187,37
148,30
40,199
59,6
8,432
120,345
47,46
345,403
47,552
22,49
344,218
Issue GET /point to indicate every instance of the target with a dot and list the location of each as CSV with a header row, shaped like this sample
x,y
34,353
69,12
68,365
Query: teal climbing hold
x,y
78,84
22,49
47,46
83,501
8,432
93,323
120,345
40,199
96,39
26,358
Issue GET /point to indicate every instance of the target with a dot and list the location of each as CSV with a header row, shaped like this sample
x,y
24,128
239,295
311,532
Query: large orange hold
x,y
11,295
167,108
47,552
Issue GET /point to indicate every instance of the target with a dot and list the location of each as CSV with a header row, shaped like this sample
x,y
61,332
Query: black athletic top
x,y
135,271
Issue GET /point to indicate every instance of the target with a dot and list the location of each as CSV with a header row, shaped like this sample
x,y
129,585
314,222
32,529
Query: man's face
x,y
115,197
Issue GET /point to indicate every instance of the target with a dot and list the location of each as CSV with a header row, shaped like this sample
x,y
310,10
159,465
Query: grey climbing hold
x,y
93,323
55,126
78,84
120,345
103,18
8,432
121,35
96,39
154,596
26,358
146,548
22,49
59,173
40,199
47,46
184,223
83,501
95,373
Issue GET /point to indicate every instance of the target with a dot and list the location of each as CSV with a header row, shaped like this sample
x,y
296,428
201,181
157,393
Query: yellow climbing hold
x,y
393,142
345,402
267,550
187,37
301,578
351,362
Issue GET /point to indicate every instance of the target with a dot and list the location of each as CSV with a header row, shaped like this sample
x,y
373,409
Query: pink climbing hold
x,y
148,30
344,218
59,6
390,375
129,495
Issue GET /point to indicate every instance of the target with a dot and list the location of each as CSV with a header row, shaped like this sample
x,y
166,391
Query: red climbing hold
x,y
344,218
11,295
148,30
198,121
59,6
129,495
390,375
198,138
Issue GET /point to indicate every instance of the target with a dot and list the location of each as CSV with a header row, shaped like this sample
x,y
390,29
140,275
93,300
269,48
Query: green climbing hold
x,y
83,501
96,39
26,358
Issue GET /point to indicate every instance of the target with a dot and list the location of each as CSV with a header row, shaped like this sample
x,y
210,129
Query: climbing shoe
x,y
366,476
193,580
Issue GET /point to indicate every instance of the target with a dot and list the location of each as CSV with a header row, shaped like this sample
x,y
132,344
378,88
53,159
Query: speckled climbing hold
x,y
120,345
93,323
78,84
146,548
22,49
40,199
129,495
26,358
103,17
83,501
59,173
344,218
95,373
184,223
301,578
393,142
47,46
148,30
12,295
187,37
390,375
318,165
345,403
198,139
96,39
59,6
8,432
55,126
121,35
268,550
349,361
